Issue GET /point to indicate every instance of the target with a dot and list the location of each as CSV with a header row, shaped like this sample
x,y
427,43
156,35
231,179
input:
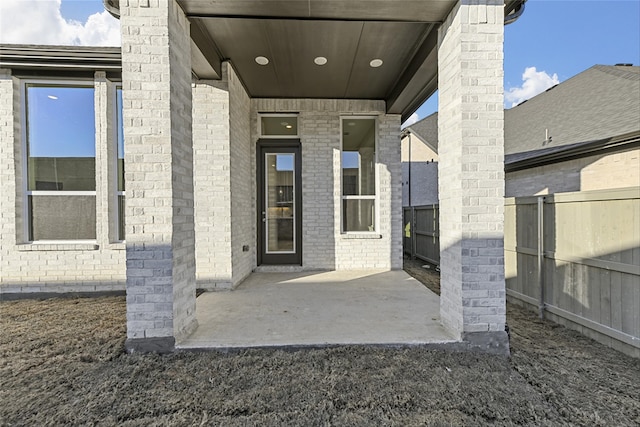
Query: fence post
x,y
541,303
413,232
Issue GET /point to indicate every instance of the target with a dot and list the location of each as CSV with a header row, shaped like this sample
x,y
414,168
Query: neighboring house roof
x,y
427,130
596,110
599,103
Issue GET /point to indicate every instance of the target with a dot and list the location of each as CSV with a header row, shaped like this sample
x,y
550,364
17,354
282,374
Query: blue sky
x,y
80,10
553,41
566,37
64,115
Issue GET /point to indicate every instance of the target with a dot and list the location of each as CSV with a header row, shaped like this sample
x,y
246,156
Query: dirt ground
x,y
62,363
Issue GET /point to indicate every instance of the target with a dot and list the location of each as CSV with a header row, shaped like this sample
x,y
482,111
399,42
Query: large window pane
x,y
61,138
358,214
60,162
62,217
358,157
358,174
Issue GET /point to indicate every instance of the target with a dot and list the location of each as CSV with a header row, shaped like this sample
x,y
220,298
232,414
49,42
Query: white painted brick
x,y
324,247
615,170
165,228
471,178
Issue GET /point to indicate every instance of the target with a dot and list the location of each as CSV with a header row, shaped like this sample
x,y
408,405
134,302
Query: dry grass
x,y
63,364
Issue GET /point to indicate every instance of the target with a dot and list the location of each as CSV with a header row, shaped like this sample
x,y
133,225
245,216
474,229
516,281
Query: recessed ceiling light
x,y
375,63
351,123
289,126
52,97
320,60
262,60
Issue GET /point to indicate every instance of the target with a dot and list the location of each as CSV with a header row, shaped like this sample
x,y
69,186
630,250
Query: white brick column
x,y
8,113
223,178
471,173
156,81
212,159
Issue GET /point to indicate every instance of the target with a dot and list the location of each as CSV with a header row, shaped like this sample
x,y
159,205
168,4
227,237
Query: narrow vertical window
x,y
60,152
358,175
120,163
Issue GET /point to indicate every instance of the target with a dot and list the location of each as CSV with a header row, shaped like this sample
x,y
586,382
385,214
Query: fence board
x,y
591,259
592,300
605,297
591,263
424,240
635,307
616,300
628,310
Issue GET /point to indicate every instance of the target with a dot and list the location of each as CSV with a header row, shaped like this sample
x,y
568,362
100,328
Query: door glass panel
x,y
280,209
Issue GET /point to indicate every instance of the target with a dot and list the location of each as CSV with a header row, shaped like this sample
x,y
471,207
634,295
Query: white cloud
x,y
411,120
40,22
534,82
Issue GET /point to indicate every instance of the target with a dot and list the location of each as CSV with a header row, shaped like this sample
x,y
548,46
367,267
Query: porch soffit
x,y
348,33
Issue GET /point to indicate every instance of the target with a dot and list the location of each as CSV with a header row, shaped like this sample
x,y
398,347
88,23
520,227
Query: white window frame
x,y
24,124
284,115
375,197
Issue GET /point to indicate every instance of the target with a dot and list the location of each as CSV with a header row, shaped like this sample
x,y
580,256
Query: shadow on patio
x,y
319,309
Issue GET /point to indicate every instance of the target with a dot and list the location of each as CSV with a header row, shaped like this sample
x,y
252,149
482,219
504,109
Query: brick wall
x,y
223,181
324,246
243,224
600,172
212,185
224,137
423,177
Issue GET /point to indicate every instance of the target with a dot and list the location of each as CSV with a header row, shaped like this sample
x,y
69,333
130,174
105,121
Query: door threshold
x,y
280,268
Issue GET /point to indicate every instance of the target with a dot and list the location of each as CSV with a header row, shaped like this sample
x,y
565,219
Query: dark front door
x,y
279,202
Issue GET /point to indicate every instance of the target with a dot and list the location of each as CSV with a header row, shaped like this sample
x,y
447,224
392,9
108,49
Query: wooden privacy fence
x,y
421,238
575,257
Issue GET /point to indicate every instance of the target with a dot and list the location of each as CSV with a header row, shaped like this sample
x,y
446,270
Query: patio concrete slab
x,y
319,309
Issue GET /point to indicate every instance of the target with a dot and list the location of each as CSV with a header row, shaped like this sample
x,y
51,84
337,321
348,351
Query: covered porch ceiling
x,y
347,37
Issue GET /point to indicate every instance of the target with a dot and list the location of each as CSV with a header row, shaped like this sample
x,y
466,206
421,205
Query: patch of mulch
x,y
63,363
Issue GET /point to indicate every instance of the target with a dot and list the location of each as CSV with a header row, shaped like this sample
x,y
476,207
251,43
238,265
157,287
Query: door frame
x,y
278,146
